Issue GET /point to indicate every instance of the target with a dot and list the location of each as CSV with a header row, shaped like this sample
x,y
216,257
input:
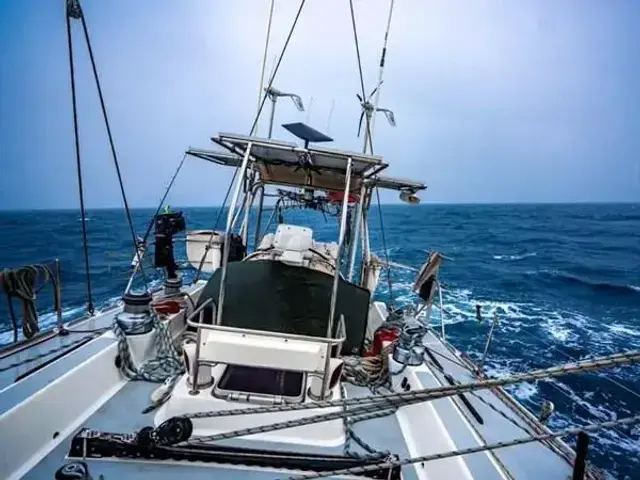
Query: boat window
x,y
262,381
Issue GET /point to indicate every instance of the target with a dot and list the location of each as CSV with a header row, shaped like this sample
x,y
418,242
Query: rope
x,y
350,434
253,127
77,13
74,11
384,245
415,396
22,283
167,362
466,451
372,372
373,404
563,392
570,357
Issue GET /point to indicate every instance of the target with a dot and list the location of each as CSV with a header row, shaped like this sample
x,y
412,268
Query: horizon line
x,y
422,204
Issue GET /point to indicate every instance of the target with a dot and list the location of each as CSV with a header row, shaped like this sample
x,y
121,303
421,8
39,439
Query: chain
x,y
466,451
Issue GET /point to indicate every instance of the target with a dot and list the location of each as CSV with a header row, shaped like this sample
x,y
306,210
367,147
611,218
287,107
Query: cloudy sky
x,y
495,100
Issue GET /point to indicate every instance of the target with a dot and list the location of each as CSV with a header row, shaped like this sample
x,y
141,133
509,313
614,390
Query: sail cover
x,y
272,296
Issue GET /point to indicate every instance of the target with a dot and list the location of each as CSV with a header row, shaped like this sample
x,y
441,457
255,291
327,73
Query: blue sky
x,y
495,100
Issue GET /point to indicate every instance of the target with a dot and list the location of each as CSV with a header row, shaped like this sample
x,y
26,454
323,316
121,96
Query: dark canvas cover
x,y
272,296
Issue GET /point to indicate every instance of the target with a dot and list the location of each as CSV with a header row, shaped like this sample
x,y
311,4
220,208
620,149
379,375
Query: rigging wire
x,y
570,357
264,57
357,44
386,250
602,375
264,99
143,242
395,462
369,136
73,11
80,15
164,197
383,56
253,127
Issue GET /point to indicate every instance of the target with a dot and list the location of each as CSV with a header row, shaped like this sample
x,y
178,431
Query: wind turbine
x,y
274,94
367,109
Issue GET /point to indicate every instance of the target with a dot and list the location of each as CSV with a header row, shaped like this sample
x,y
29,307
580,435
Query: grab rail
x,y
199,312
290,336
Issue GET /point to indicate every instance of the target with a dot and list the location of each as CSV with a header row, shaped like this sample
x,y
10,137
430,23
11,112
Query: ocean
x,y
563,280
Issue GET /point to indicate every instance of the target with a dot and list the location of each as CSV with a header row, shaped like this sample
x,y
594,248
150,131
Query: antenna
x,y
333,104
308,118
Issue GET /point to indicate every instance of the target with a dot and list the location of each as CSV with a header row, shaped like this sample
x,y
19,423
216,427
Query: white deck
x,y
88,391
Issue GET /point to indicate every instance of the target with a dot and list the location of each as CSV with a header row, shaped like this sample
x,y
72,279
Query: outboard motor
x,y
166,226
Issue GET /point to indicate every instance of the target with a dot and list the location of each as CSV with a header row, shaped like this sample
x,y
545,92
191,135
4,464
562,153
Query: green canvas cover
x,y
272,296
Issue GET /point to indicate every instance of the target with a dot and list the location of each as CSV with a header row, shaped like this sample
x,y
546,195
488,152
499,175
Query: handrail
x,y
289,336
199,311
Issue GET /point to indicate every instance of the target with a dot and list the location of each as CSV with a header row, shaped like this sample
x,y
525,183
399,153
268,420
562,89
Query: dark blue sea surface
x,y
564,281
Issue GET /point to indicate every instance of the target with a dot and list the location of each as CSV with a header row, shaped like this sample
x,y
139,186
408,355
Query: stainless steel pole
x,y
353,245
227,235
274,99
336,277
58,295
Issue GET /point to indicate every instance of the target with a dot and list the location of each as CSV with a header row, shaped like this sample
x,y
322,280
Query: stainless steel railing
x,y
199,312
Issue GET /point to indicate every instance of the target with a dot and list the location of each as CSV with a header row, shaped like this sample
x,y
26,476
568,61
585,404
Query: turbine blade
x,y
360,123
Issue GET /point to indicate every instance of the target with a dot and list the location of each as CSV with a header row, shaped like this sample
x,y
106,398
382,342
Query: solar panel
x,y
306,133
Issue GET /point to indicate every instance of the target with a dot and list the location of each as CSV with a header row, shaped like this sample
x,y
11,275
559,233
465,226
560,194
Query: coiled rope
x,y
24,283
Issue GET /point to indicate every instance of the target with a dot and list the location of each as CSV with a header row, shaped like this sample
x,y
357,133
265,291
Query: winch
x,y
410,350
173,286
135,318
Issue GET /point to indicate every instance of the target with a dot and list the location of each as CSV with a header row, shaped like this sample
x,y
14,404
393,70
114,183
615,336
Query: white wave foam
x,y
525,391
623,330
634,287
515,257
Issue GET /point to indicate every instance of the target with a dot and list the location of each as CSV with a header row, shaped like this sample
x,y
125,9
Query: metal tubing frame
x,y
247,331
331,342
488,344
244,227
227,237
336,276
196,366
441,310
259,187
275,210
58,294
353,245
274,100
